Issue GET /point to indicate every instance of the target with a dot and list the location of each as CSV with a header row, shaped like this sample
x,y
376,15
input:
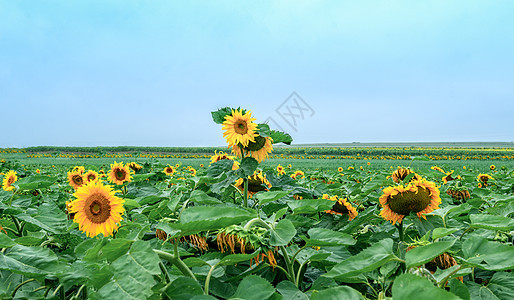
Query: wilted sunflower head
x,y
419,196
9,179
341,207
256,183
239,128
119,173
97,209
76,179
169,170
401,173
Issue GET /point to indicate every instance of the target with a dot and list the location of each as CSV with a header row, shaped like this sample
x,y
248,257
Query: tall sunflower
x,y
9,179
76,179
341,207
419,196
119,173
97,209
239,128
258,149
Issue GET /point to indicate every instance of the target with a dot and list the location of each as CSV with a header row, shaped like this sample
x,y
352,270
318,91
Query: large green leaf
x,y
33,262
254,287
283,233
248,166
35,182
410,286
133,274
48,217
183,288
219,116
337,293
488,255
423,254
281,137
491,222
266,197
289,291
367,260
5,241
202,218
501,287
323,237
233,259
201,197
306,206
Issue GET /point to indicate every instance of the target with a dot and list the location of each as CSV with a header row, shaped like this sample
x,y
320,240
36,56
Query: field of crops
x,y
258,224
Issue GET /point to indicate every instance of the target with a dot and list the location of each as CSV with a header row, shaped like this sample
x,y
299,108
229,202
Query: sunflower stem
x,y
245,193
165,272
177,262
208,280
401,244
78,292
290,267
20,285
297,283
254,221
18,227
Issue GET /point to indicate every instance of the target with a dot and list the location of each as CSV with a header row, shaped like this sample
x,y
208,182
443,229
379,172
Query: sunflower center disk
x,y
255,185
77,179
240,127
258,145
120,174
340,208
98,208
10,181
405,202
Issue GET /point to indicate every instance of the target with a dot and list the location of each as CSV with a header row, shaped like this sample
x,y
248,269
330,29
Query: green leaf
x,y
491,222
254,287
35,182
289,291
367,260
322,237
488,255
501,285
310,206
114,249
203,218
442,232
219,116
423,254
5,241
337,293
183,288
410,286
280,137
283,233
263,130
201,197
459,289
131,203
33,262
233,259
133,274
248,166
266,197
48,217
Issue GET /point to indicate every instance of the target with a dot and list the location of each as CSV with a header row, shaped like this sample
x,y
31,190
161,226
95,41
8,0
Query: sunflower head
x,y
134,166
259,149
401,173
280,170
484,178
341,207
38,171
193,171
419,196
340,169
9,179
169,170
256,183
97,209
298,174
79,169
119,173
239,128
436,168
76,179
91,176
492,167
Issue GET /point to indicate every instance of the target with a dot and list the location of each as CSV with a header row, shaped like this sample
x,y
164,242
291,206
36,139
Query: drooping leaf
x,y
203,218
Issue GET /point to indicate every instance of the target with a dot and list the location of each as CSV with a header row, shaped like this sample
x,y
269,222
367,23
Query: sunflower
x,y
484,178
351,168
340,169
419,196
91,176
169,170
258,149
341,207
401,173
193,171
80,169
201,166
38,171
9,179
76,179
256,183
298,173
280,170
221,156
134,166
97,209
436,168
239,128
492,167
119,173
449,177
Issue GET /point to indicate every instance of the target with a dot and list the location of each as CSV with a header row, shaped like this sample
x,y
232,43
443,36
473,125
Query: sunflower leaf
x,y
491,222
35,182
283,233
219,116
248,166
280,137
410,286
339,292
263,130
203,218
423,254
326,237
254,287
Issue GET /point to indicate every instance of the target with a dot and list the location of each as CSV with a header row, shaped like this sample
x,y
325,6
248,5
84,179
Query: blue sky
x,y
87,73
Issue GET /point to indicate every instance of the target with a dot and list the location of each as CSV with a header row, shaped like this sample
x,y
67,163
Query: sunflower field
x,y
243,225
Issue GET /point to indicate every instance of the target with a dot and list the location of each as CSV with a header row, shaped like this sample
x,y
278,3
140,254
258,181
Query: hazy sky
x,y
87,73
